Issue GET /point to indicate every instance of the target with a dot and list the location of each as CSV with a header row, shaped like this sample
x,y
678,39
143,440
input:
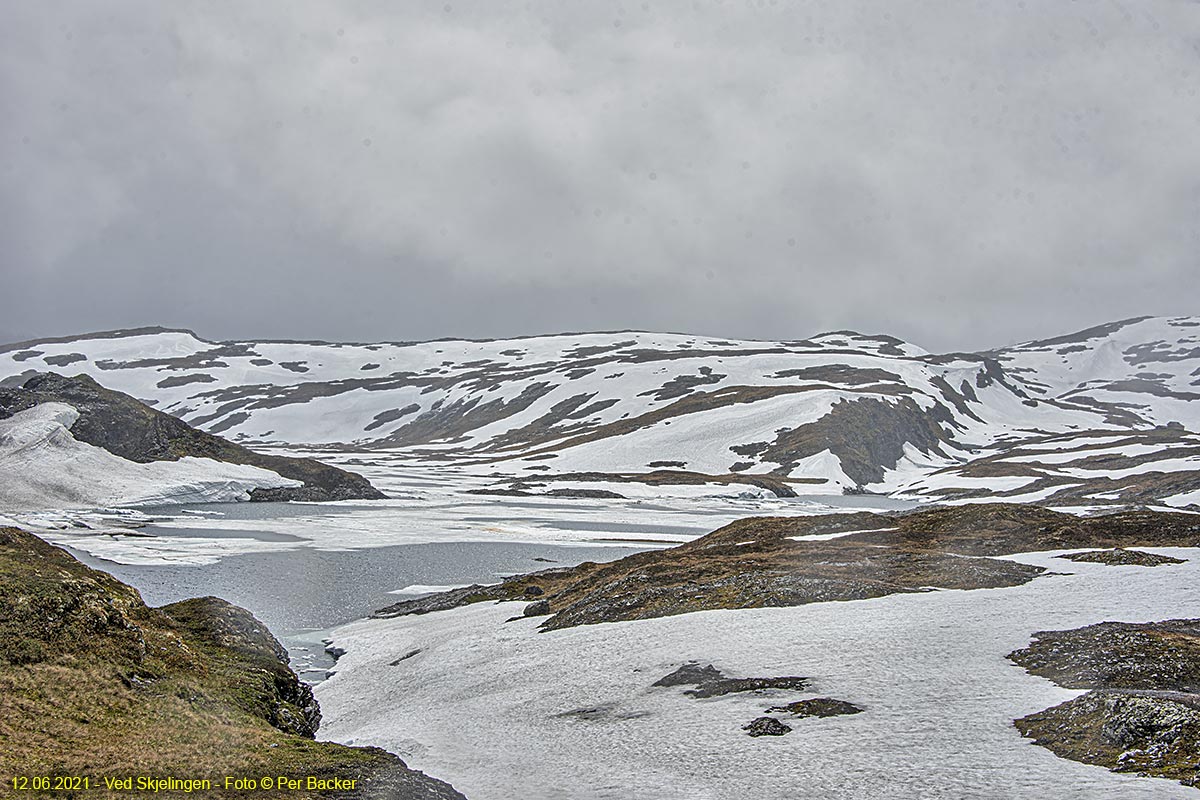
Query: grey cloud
x,y
962,175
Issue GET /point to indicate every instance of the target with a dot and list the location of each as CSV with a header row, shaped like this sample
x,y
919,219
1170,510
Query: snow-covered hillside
x,y
44,467
1089,418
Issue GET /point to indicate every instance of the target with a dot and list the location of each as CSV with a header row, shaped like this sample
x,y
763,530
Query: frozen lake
x,y
305,568
300,594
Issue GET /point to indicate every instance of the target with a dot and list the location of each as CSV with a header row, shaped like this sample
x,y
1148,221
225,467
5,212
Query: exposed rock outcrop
x,y
133,430
708,681
766,726
817,707
1120,557
774,561
1142,711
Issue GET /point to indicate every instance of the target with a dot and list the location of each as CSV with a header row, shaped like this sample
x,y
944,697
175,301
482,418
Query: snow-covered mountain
x,y
1103,415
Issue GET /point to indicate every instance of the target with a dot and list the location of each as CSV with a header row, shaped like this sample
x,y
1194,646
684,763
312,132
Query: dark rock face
x,y
586,494
132,430
766,726
184,380
1142,713
410,654
283,700
691,674
778,486
1119,556
867,435
443,601
538,608
817,707
65,359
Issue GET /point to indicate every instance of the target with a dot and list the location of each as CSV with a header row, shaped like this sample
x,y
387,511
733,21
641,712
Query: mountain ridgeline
x,y
1102,416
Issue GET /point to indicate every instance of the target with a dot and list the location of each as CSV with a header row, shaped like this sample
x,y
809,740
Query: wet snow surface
x,y
477,705
303,568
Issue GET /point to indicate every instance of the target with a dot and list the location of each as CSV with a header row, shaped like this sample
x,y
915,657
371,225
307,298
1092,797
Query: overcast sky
x,y
960,174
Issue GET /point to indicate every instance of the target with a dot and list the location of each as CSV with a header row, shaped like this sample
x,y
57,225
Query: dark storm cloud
x,y
960,174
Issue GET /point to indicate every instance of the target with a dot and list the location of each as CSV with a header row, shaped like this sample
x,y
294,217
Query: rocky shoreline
x,y
786,561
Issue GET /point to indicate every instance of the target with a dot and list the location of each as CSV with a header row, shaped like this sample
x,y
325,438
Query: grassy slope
x,y
93,682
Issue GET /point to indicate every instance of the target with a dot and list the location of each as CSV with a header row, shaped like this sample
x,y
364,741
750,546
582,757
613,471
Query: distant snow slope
x,y
1105,415
43,466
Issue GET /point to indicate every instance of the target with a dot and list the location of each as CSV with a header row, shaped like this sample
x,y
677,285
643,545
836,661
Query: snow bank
x,y
45,467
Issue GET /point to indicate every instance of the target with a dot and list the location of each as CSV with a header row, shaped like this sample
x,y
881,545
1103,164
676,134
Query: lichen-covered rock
x,y
817,707
766,726
1145,722
1120,557
1142,713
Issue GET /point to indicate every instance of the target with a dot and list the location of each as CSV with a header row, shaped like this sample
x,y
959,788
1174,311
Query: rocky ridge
x,y
786,561
1099,417
130,429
